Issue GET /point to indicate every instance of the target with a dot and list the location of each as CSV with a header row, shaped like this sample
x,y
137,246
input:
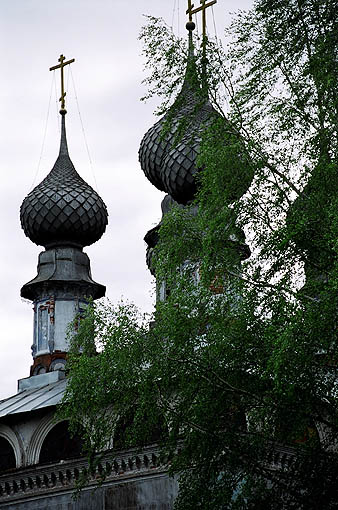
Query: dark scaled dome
x,y
63,209
167,158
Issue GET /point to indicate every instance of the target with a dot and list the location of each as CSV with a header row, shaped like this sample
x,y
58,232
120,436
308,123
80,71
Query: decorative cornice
x,y
61,477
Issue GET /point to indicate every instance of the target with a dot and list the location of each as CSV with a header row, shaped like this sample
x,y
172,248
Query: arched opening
x,y
59,444
7,455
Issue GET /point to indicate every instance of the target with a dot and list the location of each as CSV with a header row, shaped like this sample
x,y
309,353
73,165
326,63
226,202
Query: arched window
x,y
7,456
59,444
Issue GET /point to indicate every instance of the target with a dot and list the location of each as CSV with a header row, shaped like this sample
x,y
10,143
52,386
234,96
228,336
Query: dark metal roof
x,y
169,160
33,399
63,208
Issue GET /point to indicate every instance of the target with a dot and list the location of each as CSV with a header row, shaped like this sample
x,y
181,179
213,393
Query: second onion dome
x,y
63,209
167,157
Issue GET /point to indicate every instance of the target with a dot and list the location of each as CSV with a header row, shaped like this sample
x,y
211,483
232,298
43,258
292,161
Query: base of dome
x,y
63,271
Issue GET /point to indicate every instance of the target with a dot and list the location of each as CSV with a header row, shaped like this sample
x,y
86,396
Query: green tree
x,y
235,372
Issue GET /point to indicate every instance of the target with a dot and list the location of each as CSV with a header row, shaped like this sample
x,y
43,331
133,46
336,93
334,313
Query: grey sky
x,y
102,36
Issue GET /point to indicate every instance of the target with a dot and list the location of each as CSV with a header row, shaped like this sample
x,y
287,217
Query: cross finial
x,y
190,24
61,66
189,10
202,8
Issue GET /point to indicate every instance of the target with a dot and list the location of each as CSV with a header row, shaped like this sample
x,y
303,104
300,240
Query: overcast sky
x,y
102,37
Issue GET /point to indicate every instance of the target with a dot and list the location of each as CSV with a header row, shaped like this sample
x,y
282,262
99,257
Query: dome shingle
x,y
167,157
63,209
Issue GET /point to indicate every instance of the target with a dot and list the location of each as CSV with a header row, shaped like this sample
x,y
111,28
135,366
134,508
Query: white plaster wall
x,y
27,436
25,430
65,311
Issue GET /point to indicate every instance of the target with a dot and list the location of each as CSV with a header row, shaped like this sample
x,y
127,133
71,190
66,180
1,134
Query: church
x,y
40,461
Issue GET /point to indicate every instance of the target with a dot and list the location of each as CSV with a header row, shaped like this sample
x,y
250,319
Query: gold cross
x,y
202,8
61,66
189,10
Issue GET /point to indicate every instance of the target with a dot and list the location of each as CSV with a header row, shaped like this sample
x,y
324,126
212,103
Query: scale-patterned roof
x,y
167,158
63,208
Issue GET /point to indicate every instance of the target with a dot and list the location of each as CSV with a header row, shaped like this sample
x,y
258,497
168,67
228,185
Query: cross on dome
x,y
189,10
202,8
61,66
63,210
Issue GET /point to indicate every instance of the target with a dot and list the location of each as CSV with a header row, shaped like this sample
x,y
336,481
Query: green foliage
x,y
235,371
165,57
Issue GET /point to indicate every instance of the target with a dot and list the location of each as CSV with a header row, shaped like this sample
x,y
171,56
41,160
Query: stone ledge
x,y
62,476
37,381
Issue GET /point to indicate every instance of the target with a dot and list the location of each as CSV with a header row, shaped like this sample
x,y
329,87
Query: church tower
x,y
41,461
169,150
63,214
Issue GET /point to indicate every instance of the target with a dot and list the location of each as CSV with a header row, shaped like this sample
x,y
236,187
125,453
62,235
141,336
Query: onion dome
x,y
63,209
168,158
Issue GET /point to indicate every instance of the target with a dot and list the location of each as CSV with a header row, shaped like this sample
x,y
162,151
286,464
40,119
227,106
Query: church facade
x,y
40,462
